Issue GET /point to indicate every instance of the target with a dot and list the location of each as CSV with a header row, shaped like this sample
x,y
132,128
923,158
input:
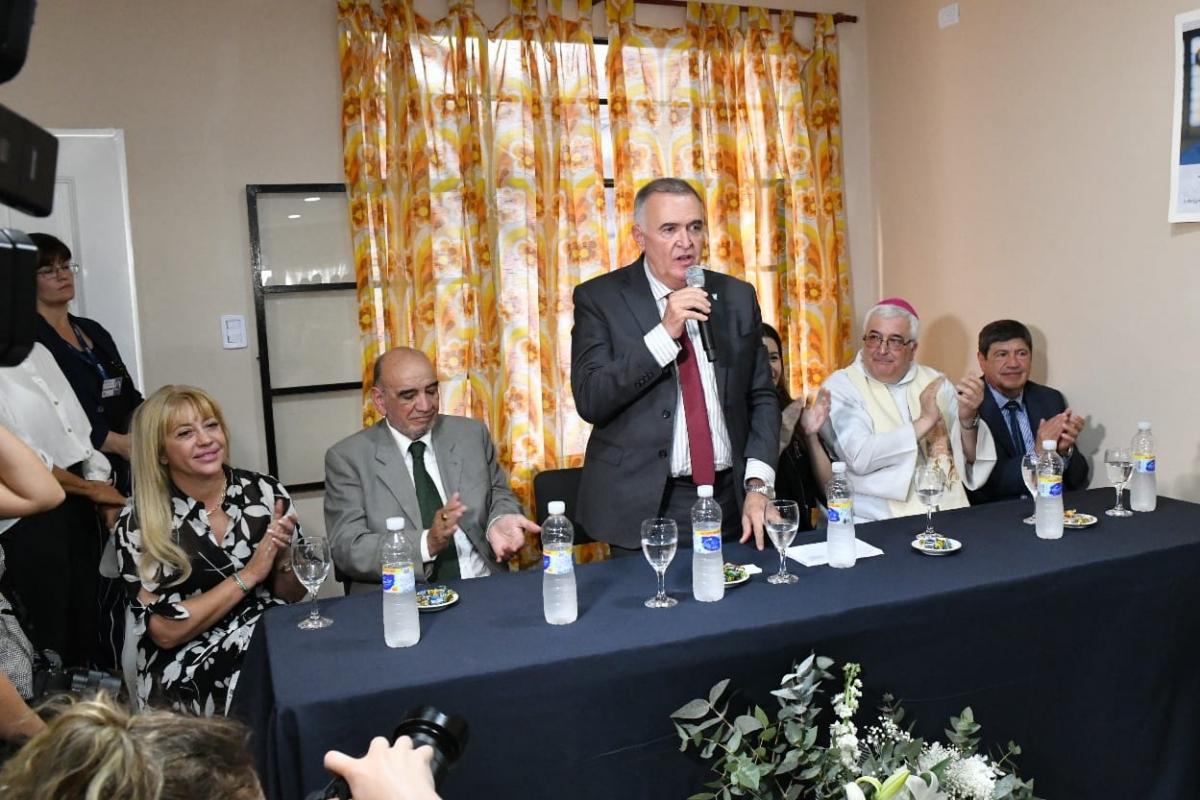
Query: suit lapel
x,y
1035,408
639,298
994,418
719,320
449,453
448,462
393,472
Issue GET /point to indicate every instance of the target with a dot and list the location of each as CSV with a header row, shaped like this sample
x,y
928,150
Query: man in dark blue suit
x,y
1021,414
672,407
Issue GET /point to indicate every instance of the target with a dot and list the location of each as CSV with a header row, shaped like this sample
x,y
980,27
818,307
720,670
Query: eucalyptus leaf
x,y
790,762
715,693
747,724
693,710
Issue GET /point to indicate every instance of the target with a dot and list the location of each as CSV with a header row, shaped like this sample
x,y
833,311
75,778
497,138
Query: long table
x,y
1082,650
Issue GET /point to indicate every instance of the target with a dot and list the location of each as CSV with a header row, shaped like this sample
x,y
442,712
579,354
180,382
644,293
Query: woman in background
x,y
804,467
203,548
87,355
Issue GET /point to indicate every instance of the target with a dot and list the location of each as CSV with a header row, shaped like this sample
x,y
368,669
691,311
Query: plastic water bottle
x,y
840,547
1048,513
559,600
401,625
708,565
1143,485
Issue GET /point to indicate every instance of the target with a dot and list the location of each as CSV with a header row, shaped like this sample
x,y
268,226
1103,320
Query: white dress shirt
x,y
665,350
39,405
471,563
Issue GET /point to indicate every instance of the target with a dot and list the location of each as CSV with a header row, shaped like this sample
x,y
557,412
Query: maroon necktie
x,y
696,413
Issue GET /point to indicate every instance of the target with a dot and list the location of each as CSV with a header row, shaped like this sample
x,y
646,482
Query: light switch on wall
x,y
233,331
948,15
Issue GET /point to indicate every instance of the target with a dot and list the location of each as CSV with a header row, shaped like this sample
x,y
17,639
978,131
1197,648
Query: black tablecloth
x,y
1082,650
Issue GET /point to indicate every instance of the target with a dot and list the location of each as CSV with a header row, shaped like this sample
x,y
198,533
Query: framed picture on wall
x,y
1185,133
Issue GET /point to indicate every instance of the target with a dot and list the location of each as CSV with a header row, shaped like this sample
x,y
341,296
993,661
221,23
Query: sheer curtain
x,y
740,107
473,168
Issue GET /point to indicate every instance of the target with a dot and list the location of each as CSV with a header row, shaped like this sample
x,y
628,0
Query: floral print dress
x,y
200,675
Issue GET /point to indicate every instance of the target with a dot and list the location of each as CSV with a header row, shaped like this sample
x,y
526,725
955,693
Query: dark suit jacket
x,y
367,481
630,400
1005,482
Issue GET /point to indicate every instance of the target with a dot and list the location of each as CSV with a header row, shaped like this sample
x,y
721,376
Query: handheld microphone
x,y
695,278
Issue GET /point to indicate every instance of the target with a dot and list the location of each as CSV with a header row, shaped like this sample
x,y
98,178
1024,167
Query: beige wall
x,y
211,96
1020,169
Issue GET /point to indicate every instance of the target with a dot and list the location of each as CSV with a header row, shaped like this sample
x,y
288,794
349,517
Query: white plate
x,y
435,598
1080,521
954,546
737,581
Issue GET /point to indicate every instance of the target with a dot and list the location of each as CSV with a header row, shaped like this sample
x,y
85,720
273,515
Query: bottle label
x,y
706,540
1050,486
841,510
399,580
1143,462
558,561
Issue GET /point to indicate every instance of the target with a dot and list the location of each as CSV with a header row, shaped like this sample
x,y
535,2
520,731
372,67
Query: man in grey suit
x,y
673,406
437,471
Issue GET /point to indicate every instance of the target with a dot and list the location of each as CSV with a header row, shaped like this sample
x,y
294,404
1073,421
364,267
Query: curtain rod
x,y
837,18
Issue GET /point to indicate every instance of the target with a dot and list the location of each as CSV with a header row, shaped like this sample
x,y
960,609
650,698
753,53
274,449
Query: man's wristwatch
x,y
758,487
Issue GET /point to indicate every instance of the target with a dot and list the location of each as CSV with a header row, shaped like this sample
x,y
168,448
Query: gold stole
x,y
881,406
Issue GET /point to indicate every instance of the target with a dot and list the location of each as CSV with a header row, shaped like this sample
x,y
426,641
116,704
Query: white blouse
x,y
38,405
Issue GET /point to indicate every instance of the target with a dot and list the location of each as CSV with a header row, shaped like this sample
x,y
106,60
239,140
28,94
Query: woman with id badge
x,y
87,355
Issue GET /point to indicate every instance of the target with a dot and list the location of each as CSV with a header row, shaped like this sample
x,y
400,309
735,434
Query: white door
x,y
91,215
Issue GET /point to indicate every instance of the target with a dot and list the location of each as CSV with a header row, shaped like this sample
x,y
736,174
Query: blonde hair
x,y
97,750
152,423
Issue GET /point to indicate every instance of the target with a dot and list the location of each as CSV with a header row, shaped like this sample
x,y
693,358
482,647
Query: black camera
x,y
28,157
446,734
49,678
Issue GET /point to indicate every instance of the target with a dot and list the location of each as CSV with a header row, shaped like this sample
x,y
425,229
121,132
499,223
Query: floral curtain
x,y
473,168
751,116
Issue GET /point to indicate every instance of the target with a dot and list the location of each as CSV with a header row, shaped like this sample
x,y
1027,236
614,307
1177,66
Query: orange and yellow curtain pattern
x,y
474,174
750,116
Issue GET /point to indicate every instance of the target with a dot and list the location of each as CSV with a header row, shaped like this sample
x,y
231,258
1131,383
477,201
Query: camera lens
x,y
446,734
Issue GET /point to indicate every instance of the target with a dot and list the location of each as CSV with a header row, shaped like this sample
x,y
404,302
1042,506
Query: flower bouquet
x,y
787,757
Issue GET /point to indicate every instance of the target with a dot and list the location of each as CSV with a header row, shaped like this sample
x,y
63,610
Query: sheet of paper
x,y
814,555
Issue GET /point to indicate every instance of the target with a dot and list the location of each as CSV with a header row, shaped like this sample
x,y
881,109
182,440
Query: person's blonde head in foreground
x,y
97,750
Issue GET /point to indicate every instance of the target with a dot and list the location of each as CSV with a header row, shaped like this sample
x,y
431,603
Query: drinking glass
x,y
310,561
782,520
1119,464
931,483
1029,466
660,537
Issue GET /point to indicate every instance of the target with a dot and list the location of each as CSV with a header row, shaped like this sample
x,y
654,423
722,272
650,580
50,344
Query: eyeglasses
x,y
894,343
53,270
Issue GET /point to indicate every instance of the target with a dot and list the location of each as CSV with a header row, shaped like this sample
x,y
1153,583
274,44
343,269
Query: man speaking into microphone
x,y
672,408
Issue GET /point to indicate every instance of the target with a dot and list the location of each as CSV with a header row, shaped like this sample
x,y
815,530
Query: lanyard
x,y
85,352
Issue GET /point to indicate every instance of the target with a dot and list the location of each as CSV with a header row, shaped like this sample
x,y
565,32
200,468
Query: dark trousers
x,y
678,499
52,578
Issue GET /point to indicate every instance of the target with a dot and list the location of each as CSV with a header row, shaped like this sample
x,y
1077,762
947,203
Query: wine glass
x,y
310,562
660,537
1120,468
931,483
782,520
1029,467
